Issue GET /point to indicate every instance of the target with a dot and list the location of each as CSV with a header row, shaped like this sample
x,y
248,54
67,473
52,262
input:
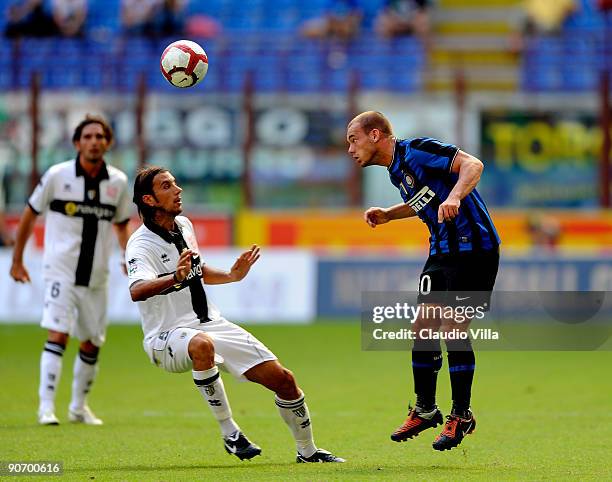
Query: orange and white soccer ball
x,y
184,63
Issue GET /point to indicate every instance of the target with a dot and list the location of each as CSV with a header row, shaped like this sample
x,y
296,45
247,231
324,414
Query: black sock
x,y
461,365
426,362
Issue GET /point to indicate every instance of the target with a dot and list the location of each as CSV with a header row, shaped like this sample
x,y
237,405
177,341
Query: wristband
x,y
176,281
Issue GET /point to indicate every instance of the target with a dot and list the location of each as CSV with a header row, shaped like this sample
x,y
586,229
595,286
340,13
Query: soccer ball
x,y
184,63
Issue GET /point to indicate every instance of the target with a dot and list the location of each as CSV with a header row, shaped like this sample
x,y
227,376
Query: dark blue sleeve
x,y
428,152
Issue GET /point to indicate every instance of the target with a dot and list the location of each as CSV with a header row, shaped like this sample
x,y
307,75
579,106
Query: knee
x,y
57,337
285,385
89,348
201,348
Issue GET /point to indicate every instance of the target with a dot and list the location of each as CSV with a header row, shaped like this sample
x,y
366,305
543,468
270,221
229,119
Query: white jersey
x,y
79,211
151,254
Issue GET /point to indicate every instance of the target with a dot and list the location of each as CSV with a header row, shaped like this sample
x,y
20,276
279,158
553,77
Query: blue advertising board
x,y
341,282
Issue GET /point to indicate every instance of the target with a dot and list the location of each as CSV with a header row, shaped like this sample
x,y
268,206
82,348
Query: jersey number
x,y
55,289
425,285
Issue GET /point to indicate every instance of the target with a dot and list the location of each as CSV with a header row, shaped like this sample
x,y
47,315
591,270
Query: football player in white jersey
x,y
184,331
83,200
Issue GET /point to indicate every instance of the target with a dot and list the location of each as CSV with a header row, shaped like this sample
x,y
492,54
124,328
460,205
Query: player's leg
x,y
292,407
183,349
461,366
50,373
91,330
83,376
207,378
474,281
59,316
426,363
426,355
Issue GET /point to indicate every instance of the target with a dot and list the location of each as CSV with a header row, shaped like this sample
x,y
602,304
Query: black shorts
x,y
463,279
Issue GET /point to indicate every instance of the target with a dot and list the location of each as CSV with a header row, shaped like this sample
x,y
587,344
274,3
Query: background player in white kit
x,y
184,331
82,198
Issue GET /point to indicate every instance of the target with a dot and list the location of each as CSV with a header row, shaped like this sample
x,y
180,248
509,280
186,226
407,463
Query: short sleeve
x,y
124,207
138,264
43,192
428,152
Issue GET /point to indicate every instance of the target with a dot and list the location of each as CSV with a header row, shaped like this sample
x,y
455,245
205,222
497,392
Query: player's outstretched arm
x,y
24,231
143,289
375,216
469,169
214,276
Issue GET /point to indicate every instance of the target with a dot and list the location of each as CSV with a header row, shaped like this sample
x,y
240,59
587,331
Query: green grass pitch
x,y
541,415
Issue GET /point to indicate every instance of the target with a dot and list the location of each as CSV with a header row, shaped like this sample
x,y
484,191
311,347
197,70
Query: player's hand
x,y
448,210
244,262
19,273
183,265
376,216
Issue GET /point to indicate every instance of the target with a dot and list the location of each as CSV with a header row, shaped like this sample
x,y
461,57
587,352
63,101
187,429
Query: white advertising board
x,y
279,288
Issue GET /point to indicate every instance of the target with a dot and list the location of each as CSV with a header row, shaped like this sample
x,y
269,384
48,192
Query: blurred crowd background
x,y
259,145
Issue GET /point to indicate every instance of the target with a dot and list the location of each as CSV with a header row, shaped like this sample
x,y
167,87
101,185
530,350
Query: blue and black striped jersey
x,y
421,170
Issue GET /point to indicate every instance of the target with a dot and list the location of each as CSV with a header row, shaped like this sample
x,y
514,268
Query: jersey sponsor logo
x,y
70,209
421,199
75,208
195,270
132,266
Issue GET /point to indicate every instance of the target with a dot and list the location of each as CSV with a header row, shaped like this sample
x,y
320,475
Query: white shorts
x,y
76,310
236,350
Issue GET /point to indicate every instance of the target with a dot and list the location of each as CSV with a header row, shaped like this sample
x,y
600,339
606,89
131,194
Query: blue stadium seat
x,y
260,36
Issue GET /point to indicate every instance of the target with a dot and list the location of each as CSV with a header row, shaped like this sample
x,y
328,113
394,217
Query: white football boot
x,y
85,415
47,417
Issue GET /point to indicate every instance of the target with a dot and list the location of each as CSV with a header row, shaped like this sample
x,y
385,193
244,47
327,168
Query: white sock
x,y
296,416
50,373
211,387
84,374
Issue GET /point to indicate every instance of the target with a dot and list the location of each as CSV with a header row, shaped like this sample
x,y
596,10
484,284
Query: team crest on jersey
x,y
409,180
210,390
111,192
91,194
165,258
